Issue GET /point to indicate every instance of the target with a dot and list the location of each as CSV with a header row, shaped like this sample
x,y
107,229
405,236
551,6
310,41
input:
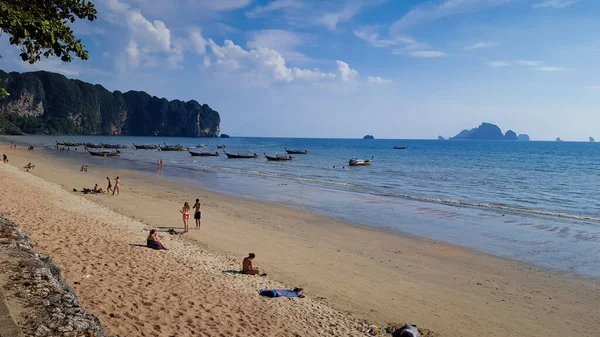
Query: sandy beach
x,y
352,275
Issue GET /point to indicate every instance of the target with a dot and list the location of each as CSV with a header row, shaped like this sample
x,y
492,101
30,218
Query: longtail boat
x,y
105,153
278,157
296,151
145,147
240,155
360,162
203,154
177,147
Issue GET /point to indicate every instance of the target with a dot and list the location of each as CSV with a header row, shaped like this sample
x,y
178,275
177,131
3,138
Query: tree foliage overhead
x,y
41,27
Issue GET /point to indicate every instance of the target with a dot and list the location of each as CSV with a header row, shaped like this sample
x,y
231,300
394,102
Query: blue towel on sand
x,y
279,293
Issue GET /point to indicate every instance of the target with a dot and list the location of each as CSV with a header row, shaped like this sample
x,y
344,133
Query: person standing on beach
x,y
186,216
197,212
117,188
109,187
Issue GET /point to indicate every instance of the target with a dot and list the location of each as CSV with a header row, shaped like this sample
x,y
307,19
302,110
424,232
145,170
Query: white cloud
x,y
154,36
377,80
223,5
198,41
133,53
427,53
274,6
285,42
371,35
436,10
479,45
554,4
498,64
346,73
536,65
262,64
331,20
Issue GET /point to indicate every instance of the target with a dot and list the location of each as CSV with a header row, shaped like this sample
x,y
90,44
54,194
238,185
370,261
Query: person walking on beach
x,y
109,187
117,188
197,212
186,216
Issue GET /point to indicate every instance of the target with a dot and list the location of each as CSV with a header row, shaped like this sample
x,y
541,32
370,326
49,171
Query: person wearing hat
x,y
406,331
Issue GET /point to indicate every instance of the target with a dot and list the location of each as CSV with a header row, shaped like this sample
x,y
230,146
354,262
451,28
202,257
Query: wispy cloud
x,y
536,65
436,10
427,53
479,45
370,34
377,80
277,5
554,4
331,20
285,42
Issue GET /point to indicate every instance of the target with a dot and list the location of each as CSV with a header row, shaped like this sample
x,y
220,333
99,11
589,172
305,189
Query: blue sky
x,y
345,68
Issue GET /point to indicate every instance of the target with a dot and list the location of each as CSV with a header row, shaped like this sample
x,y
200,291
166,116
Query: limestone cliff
x,y
48,103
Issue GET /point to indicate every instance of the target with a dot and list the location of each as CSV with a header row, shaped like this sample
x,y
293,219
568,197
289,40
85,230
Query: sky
x,y
401,69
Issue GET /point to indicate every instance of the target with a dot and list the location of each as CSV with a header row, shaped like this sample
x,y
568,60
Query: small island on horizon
x,y
487,131
368,137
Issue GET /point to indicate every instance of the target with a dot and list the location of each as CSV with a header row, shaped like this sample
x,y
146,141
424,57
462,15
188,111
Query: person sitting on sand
x,y
82,169
85,168
97,189
406,331
247,265
154,242
4,158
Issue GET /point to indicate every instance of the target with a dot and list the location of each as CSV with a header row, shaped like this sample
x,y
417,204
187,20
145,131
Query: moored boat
x,y
240,155
113,146
105,153
296,151
69,144
220,146
177,147
93,146
201,146
145,147
278,157
360,162
203,154
396,147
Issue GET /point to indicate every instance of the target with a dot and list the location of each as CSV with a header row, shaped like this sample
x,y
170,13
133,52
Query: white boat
x,y
360,162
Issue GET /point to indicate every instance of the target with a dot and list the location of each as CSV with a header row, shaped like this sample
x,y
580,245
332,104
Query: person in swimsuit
x,y
154,242
117,185
197,212
186,216
97,189
247,265
109,187
4,158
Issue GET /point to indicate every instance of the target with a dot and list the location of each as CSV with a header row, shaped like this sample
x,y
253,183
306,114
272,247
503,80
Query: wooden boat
x,y
201,146
203,154
220,146
296,151
400,147
240,155
105,153
93,146
278,157
113,146
145,147
360,162
69,144
177,147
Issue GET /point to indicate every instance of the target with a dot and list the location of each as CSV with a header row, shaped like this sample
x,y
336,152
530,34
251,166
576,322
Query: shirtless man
x,y
247,265
109,188
197,212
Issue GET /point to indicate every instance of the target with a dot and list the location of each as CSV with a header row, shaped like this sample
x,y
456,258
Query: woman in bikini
x,y
117,185
186,216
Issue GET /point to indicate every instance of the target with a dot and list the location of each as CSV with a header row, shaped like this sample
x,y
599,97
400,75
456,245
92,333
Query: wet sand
x,y
375,276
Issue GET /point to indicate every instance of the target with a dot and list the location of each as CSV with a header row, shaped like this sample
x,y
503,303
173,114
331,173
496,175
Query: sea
x,y
534,202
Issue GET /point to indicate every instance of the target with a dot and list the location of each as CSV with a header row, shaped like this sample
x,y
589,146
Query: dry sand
x,y
373,275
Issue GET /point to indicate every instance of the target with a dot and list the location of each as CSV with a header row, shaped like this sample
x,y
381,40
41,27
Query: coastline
x,y
375,275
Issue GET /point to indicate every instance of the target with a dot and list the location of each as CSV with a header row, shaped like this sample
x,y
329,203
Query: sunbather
x,y
154,242
97,189
247,265
29,166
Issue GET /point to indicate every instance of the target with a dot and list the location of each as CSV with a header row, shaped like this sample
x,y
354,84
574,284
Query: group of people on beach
x,y
84,168
186,214
116,189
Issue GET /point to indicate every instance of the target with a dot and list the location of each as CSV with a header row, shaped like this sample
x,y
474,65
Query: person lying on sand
x,y
154,242
29,166
406,331
247,266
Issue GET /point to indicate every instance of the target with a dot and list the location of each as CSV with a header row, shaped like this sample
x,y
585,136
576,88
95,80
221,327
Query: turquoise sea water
x,y
535,202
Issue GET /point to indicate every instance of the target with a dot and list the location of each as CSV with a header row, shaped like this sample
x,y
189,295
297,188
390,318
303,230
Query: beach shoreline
x,y
369,273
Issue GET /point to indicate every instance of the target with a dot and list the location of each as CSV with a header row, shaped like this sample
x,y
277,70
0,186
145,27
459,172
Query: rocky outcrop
x,y
486,131
52,306
224,135
441,138
558,139
523,137
48,103
368,137
510,135
592,139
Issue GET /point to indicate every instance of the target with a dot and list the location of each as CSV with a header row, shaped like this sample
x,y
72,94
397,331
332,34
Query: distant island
x,y
368,137
592,139
488,131
441,138
42,102
223,135
558,139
